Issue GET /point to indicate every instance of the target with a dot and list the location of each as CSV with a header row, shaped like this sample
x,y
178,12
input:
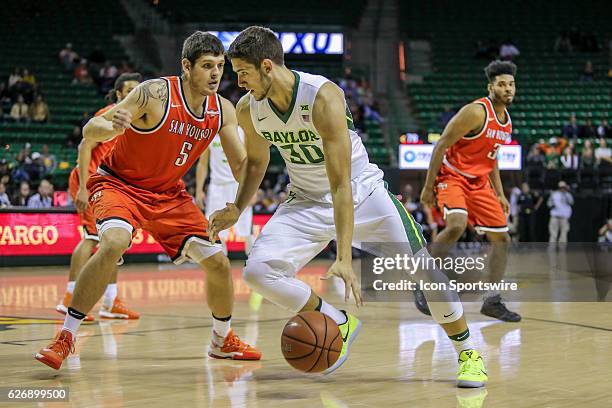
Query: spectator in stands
x,y
535,158
44,197
588,74
563,43
553,153
560,203
4,198
587,158
571,129
508,51
603,155
29,78
259,206
569,159
81,73
48,160
604,129
587,131
371,112
605,232
446,116
528,203
35,167
21,197
74,137
19,110
14,78
39,110
68,57
108,73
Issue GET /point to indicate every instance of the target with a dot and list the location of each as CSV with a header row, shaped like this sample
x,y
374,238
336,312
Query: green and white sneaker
x,y
471,372
349,332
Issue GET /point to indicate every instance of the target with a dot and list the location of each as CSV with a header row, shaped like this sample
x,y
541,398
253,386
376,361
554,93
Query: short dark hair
x,y
498,67
200,43
120,82
255,44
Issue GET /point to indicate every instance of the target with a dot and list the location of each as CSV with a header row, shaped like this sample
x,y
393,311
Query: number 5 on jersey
x,y
184,154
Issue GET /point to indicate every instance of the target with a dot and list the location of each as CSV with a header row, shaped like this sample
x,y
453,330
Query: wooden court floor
x,y
560,355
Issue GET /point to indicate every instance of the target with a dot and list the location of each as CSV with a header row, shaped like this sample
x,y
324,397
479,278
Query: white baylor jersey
x,y
220,171
300,144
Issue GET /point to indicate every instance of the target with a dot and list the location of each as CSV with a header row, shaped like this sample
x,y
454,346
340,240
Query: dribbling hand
x,y
222,219
344,270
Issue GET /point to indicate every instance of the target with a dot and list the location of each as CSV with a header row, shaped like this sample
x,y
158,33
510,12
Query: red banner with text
x,y
39,234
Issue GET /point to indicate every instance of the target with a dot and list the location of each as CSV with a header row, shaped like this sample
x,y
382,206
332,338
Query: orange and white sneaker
x,y
63,307
118,311
56,352
232,347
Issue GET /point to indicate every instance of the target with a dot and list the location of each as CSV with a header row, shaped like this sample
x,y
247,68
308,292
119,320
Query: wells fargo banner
x,y
57,233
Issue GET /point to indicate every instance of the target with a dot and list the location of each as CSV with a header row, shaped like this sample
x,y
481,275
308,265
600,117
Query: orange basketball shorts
x,y
474,197
170,217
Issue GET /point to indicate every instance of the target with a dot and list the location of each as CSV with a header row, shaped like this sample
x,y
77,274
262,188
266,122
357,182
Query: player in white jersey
x,y
222,189
335,192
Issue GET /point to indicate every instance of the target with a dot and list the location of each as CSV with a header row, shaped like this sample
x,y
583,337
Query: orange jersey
x,y
475,156
156,159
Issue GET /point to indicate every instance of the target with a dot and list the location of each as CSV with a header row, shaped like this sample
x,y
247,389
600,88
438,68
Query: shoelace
x,y
63,344
234,341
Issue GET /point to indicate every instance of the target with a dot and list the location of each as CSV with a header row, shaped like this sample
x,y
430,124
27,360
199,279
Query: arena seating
x,y
548,86
85,25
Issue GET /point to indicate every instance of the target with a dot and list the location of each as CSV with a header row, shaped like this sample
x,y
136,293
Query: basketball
x,y
311,342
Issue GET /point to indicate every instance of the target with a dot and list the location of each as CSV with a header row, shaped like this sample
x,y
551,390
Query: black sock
x,y
222,319
76,314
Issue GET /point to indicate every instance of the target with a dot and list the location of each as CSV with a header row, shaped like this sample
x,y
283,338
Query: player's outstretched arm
x,y
468,120
329,118
132,108
230,140
253,171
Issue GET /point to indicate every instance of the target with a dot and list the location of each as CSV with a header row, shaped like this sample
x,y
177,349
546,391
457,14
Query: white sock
x,y
220,327
73,321
462,341
332,312
109,295
70,287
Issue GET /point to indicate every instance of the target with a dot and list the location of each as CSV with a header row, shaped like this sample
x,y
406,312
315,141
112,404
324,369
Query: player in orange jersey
x,y
90,156
464,177
164,125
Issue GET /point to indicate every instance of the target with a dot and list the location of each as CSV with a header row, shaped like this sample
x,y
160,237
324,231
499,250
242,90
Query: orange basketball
x,y
311,342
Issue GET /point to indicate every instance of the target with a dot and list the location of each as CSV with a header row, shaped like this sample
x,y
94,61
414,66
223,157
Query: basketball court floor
x,y
560,355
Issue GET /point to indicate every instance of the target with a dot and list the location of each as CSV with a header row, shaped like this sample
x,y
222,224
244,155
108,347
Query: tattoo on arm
x,y
155,89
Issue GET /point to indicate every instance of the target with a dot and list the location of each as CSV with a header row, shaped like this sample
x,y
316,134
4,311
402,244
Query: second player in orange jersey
x,y
164,125
464,178
90,156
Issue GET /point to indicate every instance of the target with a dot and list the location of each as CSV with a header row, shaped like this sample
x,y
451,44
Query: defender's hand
x,y
505,204
222,219
199,198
